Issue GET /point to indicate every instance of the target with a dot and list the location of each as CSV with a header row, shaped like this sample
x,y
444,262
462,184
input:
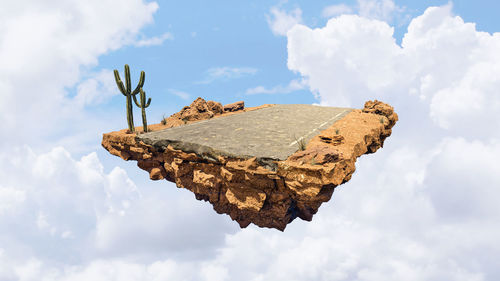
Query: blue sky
x,y
422,208
228,34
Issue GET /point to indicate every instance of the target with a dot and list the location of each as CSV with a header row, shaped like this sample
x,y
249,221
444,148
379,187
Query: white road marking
x,y
324,123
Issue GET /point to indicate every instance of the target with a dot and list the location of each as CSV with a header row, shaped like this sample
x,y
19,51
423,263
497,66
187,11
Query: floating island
x,y
265,165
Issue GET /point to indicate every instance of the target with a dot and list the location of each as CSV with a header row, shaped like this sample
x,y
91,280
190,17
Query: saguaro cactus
x,y
143,105
128,93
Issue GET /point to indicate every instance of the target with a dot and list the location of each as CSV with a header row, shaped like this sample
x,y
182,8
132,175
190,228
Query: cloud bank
x,y
443,64
47,48
422,208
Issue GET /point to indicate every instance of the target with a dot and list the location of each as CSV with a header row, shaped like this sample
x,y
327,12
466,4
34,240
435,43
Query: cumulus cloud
x,y
421,208
96,89
428,192
377,9
69,218
384,10
45,48
66,218
335,10
61,199
459,166
390,222
280,21
442,62
335,67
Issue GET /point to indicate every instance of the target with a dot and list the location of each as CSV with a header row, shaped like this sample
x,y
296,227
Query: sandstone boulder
x,y
236,106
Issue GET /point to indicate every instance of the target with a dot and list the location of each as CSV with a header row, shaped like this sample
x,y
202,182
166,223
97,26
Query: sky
x,y
424,207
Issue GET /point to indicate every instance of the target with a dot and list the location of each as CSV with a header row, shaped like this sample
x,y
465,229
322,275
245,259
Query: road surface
x,y
267,133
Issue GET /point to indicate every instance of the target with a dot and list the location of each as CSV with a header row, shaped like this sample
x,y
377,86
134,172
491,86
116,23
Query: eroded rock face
x,y
247,190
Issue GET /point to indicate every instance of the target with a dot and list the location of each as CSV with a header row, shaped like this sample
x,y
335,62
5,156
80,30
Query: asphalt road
x,y
267,133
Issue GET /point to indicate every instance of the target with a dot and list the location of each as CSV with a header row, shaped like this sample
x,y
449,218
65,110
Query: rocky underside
x,y
248,190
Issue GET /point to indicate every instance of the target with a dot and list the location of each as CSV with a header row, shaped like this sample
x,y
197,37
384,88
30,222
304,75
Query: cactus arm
x,y
127,78
143,99
141,83
119,83
135,101
143,105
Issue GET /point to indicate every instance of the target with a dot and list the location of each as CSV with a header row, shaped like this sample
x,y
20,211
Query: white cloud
x,y
9,198
227,73
460,166
445,64
180,94
384,10
336,10
96,89
424,203
154,41
293,86
64,215
333,64
421,208
69,37
281,21
377,9
98,270
386,224
69,219
59,209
